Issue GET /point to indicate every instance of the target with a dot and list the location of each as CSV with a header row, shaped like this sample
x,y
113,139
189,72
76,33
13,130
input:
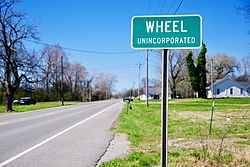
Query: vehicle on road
x,y
127,99
24,101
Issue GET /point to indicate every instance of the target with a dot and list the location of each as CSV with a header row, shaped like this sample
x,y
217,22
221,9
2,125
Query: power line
x,y
158,6
162,6
178,7
172,4
79,50
149,3
118,68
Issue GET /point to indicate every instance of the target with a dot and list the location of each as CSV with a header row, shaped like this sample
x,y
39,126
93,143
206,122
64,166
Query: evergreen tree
x,y
197,75
192,72
201,66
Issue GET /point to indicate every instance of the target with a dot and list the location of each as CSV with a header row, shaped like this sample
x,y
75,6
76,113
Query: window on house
x,y
218,91
231,91
241,91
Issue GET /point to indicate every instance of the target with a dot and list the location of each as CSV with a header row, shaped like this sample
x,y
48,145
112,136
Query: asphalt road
x,y
70,136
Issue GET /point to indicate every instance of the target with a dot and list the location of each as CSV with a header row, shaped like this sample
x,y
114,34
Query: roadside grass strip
x,y
189,141
4,123
39,105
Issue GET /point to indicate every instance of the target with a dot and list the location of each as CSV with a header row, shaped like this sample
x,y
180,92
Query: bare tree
x,y
17,64
177,71
79,80
176,68
46,67
245,70
50,69
246,11
104,85
223,65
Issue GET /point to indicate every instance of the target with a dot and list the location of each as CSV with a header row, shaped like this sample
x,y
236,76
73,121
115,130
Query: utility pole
x,y
245,71
212,89
139,73
106,94
147,77
90,94
133,89
62,93
131,92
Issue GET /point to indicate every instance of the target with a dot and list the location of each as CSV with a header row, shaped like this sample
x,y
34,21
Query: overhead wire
x,y
81,50
178,7
149,3
171,6
162,6
158,6
118,68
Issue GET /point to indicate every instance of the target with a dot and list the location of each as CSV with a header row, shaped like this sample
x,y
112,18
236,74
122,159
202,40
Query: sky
x,y
105,26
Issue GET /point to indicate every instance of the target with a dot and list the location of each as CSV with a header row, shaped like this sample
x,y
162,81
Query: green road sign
x,y
166,32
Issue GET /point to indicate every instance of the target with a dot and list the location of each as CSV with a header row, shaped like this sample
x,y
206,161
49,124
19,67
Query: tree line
x,y
191,70
44,74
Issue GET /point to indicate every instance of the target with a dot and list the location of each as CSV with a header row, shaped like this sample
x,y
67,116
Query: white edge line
x,y
53,137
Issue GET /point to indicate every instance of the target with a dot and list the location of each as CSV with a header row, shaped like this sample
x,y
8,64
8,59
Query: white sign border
x,y
150,16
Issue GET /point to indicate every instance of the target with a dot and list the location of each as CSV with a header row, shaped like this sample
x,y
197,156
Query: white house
x,y
229,88
153,93
143,97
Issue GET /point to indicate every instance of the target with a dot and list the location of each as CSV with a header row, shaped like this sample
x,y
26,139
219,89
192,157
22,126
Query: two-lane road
x,y
69,136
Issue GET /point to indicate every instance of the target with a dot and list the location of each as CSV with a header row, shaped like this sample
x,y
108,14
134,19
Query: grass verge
x,y
189,141
39,105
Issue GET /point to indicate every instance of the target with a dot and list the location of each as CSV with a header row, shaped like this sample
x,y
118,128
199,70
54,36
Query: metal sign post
x,y
166,32
164,108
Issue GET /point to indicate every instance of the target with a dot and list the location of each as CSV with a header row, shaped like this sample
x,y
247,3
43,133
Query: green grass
x,y
188,120
39,105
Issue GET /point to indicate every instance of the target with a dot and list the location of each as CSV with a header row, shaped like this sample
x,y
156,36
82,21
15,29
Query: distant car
x,y
24,101
127,99
179,96
16,102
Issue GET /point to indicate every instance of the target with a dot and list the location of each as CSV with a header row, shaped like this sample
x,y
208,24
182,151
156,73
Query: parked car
x,y
179,96
16,102
127,99
24,101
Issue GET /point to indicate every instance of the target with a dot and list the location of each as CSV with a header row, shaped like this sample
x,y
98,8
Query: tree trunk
x,y
174,88
47,84
9,100
174,91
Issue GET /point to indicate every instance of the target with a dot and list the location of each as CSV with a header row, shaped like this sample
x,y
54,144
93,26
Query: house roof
x,y
245,84
153,91
217,82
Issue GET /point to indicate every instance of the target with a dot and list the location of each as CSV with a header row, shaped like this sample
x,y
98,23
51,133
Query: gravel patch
x,y
118,148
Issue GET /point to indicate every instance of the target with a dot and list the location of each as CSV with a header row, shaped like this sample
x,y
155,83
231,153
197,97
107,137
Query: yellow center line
x,y
51,113
4,123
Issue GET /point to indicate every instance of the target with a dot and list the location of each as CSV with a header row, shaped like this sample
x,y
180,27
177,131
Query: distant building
x,y
229,88
153,93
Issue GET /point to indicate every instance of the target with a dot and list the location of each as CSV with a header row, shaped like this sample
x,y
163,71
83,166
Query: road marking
x,y
64,108
71,109
3,123
51,113
53,137
14,114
